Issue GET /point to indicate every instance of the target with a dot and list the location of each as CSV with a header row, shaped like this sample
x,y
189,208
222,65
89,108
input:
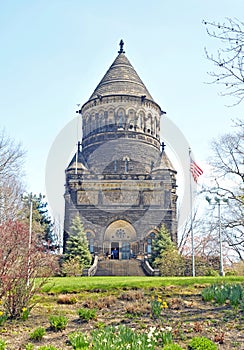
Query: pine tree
x,y
42,223
77,244
165,255
161,242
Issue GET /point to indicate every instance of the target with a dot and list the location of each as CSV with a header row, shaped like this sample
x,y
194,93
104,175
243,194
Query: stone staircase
x,y
130,267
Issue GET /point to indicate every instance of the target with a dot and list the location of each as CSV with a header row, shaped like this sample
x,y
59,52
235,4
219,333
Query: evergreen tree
x,y
77,244
165,255
161,242
41,221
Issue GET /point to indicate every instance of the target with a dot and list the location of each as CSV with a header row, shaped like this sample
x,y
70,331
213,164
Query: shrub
x,y
38,334
2,344
58,322
211,272
29,346
87,314
170,263
231,273
238,268
202,343
3,318
66,299
78,341
172,346
20,265
72,267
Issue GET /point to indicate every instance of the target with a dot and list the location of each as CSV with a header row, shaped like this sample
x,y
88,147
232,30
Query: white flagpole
x,y
192,235
77,143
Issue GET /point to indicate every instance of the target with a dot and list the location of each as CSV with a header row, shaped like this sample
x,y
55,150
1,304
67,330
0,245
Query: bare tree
x,y
229,59
228,181
11,187
11,157
22,261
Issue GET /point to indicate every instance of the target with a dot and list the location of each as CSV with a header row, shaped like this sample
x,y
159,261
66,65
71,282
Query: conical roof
x,y
121,79
78,163
163,163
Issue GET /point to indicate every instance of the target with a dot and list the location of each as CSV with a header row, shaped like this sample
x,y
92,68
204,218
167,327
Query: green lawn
x,y
106,283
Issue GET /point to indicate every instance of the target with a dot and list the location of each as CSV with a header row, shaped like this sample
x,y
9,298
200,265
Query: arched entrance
x,y
118,238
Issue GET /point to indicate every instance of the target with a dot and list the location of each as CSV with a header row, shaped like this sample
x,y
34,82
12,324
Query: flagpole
x,y
191,218
77,144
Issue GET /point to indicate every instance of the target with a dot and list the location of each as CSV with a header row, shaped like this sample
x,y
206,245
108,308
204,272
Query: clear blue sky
x,y
55,52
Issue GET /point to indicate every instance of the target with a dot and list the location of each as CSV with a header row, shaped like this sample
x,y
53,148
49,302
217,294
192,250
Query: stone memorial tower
x,y
121,182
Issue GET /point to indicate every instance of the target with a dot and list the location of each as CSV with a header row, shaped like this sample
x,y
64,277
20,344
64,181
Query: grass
x,y
59,285
127,301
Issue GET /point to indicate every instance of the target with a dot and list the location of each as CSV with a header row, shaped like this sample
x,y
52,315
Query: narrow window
x,y
126,165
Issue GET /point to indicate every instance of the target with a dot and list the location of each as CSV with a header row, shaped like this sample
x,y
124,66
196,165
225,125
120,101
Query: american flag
x,y
195,170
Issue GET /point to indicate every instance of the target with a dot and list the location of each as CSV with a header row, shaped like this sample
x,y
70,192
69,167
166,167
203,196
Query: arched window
x,y
88,125
121,118
84,126
132,119
93,123
101,119
96,122
126,160
141,120
149,123
110,119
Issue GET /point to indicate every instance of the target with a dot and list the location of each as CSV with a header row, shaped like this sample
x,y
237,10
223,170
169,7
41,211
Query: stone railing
x,y
148,268
91,271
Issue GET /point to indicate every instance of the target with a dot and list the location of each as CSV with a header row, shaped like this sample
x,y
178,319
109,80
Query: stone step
x,y
120,268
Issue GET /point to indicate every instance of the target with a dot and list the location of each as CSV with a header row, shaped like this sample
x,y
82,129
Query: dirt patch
x,y
186,313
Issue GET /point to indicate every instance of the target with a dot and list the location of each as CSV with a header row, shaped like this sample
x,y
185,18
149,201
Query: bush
x,y
72,267
170,263
2,344
3,318
58,322
38,334
202,343
87,314
203,266
238,268
211,272
172,347
66,299
230,273
29,346
20,265
78,341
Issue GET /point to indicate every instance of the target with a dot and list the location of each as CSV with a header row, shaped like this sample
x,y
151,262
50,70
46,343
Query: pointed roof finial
x,y
121,44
